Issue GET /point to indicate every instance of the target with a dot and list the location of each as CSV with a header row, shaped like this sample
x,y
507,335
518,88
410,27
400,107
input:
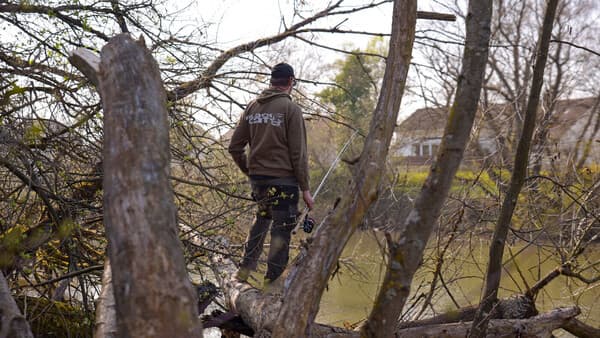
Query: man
x,y
277,164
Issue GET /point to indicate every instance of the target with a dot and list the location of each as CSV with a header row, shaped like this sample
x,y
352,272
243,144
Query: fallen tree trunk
x,y
257,309
580,329
519,307
538,326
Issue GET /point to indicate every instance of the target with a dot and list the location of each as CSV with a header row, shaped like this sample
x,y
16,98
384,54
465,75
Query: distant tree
x,y
494,271
356,84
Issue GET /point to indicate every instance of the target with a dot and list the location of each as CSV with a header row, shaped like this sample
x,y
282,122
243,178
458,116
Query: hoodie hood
x,y
271,93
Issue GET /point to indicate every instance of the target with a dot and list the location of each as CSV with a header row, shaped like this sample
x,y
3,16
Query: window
x,y
425,150
416,149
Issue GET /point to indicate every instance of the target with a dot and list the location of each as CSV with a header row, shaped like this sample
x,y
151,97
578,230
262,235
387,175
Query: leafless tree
x,y
494,270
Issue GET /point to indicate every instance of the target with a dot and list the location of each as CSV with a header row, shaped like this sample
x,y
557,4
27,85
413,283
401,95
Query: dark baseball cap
x,y
282,70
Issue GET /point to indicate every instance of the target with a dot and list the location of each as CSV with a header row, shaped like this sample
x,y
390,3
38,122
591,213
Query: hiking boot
x,y
242,274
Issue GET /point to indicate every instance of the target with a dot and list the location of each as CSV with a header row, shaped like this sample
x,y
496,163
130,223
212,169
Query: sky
x,y
233,22
243,20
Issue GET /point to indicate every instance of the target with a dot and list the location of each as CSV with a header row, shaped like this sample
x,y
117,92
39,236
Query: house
x,y
573,128
419,136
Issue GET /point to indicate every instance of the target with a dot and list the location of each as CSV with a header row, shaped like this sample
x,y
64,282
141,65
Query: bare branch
x,y
576,46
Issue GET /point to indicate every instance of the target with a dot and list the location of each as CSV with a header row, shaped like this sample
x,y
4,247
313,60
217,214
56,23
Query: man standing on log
x,y
277,164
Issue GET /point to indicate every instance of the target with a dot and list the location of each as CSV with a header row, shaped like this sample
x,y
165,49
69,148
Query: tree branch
x,y
576,46
408,243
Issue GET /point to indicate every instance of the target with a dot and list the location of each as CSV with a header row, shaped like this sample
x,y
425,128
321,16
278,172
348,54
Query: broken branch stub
x,y
87,62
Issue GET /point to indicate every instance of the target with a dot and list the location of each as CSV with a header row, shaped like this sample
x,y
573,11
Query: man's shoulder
x,y
295,106
292,106
250,104
288,103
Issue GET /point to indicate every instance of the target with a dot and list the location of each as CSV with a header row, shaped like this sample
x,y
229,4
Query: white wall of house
x,y
488,145
420,147
568,142
428,147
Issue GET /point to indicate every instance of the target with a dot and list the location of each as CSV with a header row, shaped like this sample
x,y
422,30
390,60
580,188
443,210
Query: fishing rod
x,y
307,223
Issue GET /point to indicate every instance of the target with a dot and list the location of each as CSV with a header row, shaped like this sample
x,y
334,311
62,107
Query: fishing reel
x,y
308,224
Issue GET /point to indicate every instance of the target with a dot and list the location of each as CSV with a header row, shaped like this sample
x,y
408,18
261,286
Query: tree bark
x,y
308,278
106,315
407,245
519,307
494,269
539,326
580,329
153,294
12,322
258,309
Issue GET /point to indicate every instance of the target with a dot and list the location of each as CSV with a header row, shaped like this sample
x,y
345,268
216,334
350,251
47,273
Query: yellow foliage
x,y
12,239
33,133
55,319
66,227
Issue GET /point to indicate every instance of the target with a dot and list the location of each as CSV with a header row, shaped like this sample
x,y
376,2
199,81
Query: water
x,y
350,295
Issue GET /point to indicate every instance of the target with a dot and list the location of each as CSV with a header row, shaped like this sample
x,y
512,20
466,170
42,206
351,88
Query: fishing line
x,y
329,171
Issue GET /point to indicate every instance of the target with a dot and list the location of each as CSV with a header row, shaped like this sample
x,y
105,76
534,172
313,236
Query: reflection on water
x,y
351,292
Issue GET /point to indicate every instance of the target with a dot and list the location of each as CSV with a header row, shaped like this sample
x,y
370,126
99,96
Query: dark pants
x,y
277,204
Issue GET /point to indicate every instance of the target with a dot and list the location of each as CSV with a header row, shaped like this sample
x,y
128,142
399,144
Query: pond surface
x,y
352,290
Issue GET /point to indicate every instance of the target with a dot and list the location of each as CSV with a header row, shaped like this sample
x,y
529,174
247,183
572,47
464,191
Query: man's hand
x,y
308,200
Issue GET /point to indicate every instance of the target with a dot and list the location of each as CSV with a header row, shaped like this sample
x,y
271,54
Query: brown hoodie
x,y
274,128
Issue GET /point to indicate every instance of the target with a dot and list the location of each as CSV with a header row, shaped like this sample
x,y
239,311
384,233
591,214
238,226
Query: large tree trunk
x,y
153,294
309,278
12,322
494,270
407,245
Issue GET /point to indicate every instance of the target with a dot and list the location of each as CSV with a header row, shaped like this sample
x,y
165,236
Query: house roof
x,y
425,119
430,122
570,112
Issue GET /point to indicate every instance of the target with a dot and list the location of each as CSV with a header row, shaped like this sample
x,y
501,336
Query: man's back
x,y
273,127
